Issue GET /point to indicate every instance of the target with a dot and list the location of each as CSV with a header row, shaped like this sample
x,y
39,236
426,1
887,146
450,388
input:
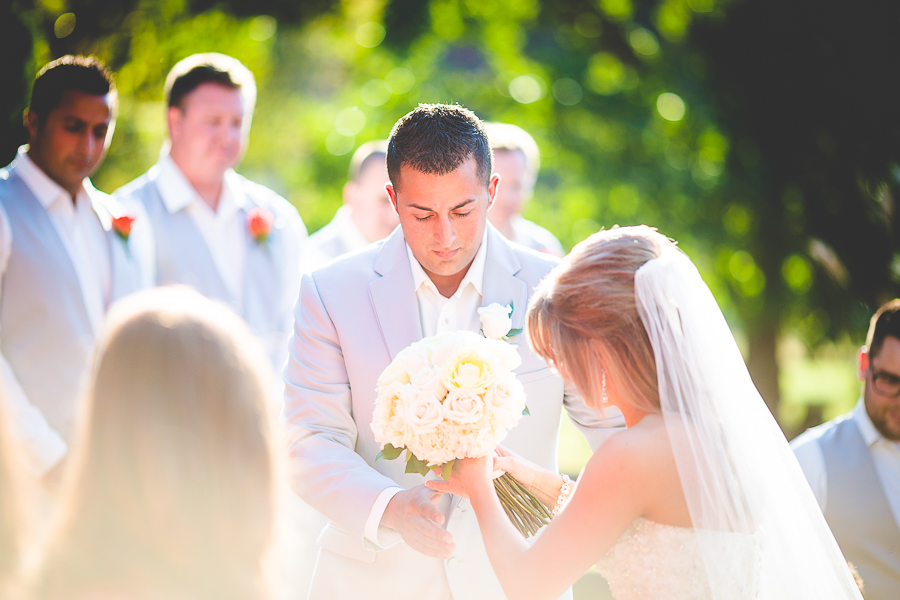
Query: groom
x,y
389,536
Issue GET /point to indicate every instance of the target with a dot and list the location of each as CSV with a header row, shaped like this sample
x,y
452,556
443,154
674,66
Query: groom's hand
x,y
412,514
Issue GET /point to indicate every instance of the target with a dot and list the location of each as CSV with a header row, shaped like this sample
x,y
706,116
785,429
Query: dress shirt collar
x,y
47,191
178,193
866,427
474,276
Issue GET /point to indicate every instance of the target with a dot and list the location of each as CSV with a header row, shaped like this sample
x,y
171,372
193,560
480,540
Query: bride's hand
x,y
543,483
465,477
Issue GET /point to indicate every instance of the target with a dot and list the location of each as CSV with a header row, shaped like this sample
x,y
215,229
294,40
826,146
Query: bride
x,y
701,496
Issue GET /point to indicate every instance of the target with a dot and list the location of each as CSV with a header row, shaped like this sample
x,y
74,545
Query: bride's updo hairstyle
x,y
172,488
584,320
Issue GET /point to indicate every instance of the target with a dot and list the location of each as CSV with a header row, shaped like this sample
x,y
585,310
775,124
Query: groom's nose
x,y
444,234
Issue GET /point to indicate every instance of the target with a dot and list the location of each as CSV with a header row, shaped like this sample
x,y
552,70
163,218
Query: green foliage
x,y
388,453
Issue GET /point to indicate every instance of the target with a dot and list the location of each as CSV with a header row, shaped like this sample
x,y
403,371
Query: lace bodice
x,y
663,562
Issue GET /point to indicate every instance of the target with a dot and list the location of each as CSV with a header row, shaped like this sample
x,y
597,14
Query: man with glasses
x,y
853,463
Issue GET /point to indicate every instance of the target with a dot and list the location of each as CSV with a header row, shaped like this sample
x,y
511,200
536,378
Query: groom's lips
x,y
446,253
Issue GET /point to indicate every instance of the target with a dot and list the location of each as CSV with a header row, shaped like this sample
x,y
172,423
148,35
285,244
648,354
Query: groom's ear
x,y
863,363
492,189
389,188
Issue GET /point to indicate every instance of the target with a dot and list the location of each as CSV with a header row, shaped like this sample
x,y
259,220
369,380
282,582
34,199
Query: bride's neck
x,y
632,415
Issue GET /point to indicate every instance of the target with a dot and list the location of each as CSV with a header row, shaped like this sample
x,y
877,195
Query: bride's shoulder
x,y
641,448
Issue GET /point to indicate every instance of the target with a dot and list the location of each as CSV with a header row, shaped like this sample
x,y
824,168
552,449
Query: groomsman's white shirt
x,y
531,235
885,455
222,229
339,236
437,314
86,244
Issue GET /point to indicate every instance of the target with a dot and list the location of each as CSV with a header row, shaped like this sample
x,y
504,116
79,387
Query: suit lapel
x,y
123,270
393,296
500,282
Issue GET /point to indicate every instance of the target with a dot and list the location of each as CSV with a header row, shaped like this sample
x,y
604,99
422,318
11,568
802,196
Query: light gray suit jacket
x,y
353,316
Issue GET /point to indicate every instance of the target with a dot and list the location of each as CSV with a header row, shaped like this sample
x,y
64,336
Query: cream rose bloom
x,y
495,320
471,367
464,406
428,380
389,420
506,400
425,413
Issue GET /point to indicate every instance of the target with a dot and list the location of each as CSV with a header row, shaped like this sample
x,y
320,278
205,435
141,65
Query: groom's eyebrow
x,y
457,207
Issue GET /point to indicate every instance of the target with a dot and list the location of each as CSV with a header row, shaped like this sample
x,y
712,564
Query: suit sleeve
x,y
596,426
321,434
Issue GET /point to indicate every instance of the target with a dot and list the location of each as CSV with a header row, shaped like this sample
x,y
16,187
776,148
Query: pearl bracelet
x,y
565,490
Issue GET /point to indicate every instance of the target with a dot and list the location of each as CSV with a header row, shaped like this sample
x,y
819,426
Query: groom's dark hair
x,y
436,139
84,74
885,323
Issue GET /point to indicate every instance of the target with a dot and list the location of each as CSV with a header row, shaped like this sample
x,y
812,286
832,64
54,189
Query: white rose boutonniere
x,y
496,321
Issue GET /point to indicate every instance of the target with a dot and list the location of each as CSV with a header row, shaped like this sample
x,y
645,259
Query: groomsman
x,y
366,216
517,161
67,251
389,536
231,239
853,463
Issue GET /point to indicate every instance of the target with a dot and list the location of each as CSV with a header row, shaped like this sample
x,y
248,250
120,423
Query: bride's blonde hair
x,y
172,485
583,318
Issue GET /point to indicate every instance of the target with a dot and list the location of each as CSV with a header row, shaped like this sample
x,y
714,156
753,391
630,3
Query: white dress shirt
x,y
885,455
222,229
437,314
87,245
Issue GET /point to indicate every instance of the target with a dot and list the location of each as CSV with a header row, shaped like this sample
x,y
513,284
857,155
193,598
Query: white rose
x,y
505,400
471,367
393,373
464,406
389,417
495,321
428,380
507,353
425,413
414,358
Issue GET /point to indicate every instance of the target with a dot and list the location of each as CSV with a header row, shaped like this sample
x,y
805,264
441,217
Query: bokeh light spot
x,y
262,28
64,25
588,25
338,144
370,34
375,92
670,106
643,42
567,91
526,89
399,80
350,121
797,273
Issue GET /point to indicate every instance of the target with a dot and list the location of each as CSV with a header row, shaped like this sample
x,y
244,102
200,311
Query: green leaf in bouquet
x,y
512,307
447,468
514,332
526,412
388,453
414,465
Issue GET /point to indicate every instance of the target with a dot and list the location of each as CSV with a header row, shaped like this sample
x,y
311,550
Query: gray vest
x,y
858,512
45,332
182,256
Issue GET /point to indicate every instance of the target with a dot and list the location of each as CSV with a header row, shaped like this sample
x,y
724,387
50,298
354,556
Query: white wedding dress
x,y
657,561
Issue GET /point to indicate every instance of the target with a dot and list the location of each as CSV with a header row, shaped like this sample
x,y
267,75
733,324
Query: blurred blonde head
x,y
583,318
171,492
11,509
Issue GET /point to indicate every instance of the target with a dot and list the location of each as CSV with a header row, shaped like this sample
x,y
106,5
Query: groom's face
x,y
443,217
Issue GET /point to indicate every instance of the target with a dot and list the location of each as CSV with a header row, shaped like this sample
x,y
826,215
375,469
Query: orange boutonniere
x,y
122,226
259,224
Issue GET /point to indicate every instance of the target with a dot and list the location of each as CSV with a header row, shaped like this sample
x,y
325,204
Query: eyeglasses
x,y
885,383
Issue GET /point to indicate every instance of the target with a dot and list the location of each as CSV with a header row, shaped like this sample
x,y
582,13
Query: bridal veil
x,y
739,475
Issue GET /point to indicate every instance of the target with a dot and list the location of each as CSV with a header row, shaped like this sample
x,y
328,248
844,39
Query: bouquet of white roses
x,y
453,396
